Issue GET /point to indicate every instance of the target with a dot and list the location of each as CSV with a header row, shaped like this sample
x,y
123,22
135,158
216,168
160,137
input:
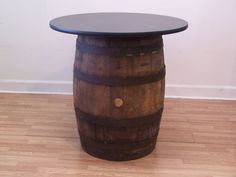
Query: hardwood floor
x,y
38,138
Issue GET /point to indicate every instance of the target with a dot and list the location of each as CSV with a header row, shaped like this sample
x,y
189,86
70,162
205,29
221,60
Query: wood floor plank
x,y
38,138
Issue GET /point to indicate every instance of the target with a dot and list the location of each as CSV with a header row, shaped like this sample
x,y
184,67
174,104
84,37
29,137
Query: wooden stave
x,y
110,148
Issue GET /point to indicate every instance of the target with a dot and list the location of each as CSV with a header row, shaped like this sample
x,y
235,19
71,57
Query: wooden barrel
x,y
119,88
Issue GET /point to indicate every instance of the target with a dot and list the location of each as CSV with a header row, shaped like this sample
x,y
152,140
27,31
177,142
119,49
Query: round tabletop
x,y
118,24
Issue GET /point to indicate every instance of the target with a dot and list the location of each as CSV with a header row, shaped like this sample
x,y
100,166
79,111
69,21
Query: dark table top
x,y
118,24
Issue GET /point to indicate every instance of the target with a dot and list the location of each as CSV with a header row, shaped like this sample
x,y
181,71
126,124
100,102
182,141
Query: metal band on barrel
x,y
119,51
117,146
118,81
141,121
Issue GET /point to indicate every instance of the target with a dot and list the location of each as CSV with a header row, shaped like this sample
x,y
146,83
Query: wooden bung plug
x,y
118,102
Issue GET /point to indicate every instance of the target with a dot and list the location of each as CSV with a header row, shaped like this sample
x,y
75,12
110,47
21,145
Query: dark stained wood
x,y
119,122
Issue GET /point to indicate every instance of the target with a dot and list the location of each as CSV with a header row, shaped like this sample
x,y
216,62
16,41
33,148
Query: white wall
x,y
201,62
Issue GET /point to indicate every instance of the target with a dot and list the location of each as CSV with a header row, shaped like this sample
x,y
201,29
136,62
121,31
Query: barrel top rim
x,y
118,24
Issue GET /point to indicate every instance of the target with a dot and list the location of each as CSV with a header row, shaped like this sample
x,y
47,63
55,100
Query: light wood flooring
x,y
38,138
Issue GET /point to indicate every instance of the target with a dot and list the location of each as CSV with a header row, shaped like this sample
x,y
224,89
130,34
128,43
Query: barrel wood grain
x,y
119,81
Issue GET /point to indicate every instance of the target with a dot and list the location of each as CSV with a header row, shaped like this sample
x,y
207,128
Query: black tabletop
x,y
118,24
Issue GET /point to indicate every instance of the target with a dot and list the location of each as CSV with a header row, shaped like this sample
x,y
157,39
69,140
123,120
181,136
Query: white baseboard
x,y
36,86
65,88
201,92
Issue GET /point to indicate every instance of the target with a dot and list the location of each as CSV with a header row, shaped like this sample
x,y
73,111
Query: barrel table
x,y
119,80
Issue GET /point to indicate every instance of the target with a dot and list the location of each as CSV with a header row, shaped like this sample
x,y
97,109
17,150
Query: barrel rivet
x,y
141,54
129,55
154,52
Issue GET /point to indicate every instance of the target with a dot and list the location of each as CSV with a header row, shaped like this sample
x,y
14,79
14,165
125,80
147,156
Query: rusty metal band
x,y
117,146
140,121
119,51
119,81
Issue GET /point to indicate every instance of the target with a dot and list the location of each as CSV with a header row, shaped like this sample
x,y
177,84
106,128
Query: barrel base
x,y
117,152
